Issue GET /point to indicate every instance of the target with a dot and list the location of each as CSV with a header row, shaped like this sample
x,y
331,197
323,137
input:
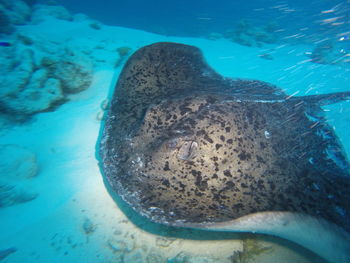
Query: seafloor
x,y
54,205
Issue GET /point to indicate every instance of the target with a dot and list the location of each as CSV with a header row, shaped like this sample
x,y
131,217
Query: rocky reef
x,y
35,82
13,13
41,12
18,167
37,74
248,34
331,52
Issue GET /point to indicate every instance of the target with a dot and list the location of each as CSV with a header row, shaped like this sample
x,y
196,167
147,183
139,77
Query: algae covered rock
x,y
73,69
37,74
75,73
19,12
17,163
27,89
18,166
10,195
248,34
40,94
13,13
330,52
35,80
42,12
5,23
15,72
123,53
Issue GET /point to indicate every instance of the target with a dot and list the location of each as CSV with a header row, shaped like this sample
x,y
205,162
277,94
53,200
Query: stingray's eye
x,y
187,150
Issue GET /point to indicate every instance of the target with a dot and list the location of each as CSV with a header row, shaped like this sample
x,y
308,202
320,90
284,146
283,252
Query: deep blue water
x,y
202,17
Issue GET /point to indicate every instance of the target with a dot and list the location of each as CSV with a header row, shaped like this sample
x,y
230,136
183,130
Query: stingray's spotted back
x,y
183,145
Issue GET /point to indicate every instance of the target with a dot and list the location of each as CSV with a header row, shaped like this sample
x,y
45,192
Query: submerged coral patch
x,y
248,34
18,166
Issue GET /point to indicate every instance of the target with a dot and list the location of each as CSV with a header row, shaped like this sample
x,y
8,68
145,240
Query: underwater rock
x,y
40,94
329,52
5,23
88,226
39,77
13,13
247,34
42,12
27,90
19,12
25,39
9,195
15,71
95,25
17,166
73,69
322,53
17,163
74,72
123,52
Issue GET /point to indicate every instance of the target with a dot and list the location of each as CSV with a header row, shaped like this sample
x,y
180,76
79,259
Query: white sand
x,y
70,186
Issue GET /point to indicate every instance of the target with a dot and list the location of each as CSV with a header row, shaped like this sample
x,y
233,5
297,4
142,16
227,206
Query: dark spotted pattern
x,y
183,145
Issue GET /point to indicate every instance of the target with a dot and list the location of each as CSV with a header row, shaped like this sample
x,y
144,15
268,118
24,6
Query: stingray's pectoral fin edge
x,y
325,99
319,236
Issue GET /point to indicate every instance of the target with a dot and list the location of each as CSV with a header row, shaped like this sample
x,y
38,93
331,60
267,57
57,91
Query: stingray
x,y
186,147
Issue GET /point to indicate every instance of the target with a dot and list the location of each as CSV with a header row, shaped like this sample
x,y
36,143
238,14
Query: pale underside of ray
x,y
319,236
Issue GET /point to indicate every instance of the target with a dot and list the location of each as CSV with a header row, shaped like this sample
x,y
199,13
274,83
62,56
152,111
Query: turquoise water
x,y
200,18
60,64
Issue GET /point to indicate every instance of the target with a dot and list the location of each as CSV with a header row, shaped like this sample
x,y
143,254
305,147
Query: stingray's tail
x,y
323,99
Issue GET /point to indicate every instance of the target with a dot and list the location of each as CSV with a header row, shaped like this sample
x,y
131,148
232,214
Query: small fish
x,y
5,44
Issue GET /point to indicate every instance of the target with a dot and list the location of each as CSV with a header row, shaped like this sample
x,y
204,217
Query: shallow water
x,y
59,71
